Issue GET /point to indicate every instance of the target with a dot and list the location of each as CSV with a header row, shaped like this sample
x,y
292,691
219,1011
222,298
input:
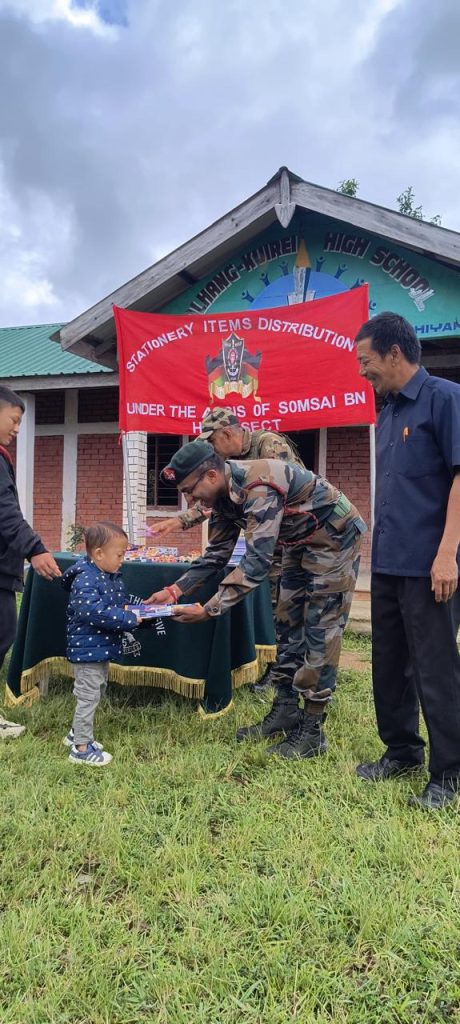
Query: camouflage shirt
x,y
257,444
273,502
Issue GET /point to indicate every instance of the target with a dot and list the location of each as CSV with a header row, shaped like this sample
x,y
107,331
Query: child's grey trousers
x,y
89,688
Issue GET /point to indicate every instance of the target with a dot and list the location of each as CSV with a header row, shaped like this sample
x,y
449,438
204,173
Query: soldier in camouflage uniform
x,y
224,431
319,532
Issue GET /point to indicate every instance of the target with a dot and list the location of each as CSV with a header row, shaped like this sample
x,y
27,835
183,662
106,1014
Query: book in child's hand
x,y
156,611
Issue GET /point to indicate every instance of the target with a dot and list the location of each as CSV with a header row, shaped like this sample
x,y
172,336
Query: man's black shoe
x,y
435,796
379,771
264,683
283,717
306,740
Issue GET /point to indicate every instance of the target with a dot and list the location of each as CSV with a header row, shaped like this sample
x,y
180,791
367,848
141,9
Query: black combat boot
x,y
306,740
283,716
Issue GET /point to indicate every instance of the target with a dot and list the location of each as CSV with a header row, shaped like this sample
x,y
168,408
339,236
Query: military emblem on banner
x,y
234,369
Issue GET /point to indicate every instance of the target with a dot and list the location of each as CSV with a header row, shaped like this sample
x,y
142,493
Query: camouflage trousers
x,y
316,591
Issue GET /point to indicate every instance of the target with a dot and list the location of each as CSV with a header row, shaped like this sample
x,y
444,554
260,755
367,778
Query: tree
x,y
349,187
406,205
405,201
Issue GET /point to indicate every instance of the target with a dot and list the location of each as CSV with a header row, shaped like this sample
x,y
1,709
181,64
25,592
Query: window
x,y
160,449
306,442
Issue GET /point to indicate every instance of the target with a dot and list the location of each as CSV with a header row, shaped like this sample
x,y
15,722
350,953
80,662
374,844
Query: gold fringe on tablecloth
x,y
26,699
131,675
210,715
162,678
127,675
251,672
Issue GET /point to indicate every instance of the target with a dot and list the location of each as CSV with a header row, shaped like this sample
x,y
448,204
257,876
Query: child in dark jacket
x,y
96,620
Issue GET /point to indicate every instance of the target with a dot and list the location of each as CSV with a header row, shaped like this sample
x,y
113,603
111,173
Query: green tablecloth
x,y
204,661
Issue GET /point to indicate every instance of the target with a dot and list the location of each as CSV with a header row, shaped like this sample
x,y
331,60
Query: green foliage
x,y
406,205
405,201
75,536
349,187
197,881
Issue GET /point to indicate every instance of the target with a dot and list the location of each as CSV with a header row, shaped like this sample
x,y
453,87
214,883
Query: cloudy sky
x,y
126,126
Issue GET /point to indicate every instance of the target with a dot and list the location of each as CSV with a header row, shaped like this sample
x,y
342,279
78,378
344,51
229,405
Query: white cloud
x,y
40,11
35,240
112,155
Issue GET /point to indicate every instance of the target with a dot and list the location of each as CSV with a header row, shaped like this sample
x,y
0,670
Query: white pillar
x,y
69,467
137,462
25,452
322,452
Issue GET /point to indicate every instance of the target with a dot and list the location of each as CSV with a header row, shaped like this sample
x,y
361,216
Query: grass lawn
x,y
196,881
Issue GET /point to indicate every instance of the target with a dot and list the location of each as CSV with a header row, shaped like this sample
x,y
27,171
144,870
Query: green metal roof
x,y
29,352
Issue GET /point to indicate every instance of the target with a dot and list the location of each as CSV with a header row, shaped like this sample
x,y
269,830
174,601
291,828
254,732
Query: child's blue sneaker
x,y
93,756
69,740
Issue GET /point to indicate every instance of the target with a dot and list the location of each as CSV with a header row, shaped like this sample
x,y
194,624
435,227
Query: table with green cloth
x,y
204,661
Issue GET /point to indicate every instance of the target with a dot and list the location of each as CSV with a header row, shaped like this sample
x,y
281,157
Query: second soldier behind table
x,y
277,504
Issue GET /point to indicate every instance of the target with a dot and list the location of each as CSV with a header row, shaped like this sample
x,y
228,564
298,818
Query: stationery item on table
x,y
162,555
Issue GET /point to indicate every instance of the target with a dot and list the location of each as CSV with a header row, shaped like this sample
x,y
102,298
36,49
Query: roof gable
x,y
92,334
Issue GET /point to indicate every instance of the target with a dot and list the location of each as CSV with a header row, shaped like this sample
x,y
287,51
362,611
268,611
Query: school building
x,y
290,242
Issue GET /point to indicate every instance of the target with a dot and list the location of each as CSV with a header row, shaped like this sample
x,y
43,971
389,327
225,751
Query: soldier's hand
x,y
45,565
166,526
169,595
444,576
196,613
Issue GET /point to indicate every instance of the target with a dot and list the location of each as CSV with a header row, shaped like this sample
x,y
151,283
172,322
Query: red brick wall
x,y
348,468
48,490
99,479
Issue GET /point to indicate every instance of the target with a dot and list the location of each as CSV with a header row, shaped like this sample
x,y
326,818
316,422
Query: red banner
x,y
287,368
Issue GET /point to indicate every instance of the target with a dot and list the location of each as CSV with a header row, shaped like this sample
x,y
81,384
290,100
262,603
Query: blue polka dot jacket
x,y
96,619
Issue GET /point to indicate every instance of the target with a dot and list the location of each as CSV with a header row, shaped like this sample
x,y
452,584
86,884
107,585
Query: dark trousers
x,y
415,662
7,621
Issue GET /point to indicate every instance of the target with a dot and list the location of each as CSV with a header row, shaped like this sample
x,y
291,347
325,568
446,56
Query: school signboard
x,y
317,257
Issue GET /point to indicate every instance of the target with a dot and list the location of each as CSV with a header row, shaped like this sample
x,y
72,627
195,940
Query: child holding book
x,y
96,621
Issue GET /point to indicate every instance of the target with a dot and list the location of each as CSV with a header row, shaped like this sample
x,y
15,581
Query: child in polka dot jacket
x,y
96,621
